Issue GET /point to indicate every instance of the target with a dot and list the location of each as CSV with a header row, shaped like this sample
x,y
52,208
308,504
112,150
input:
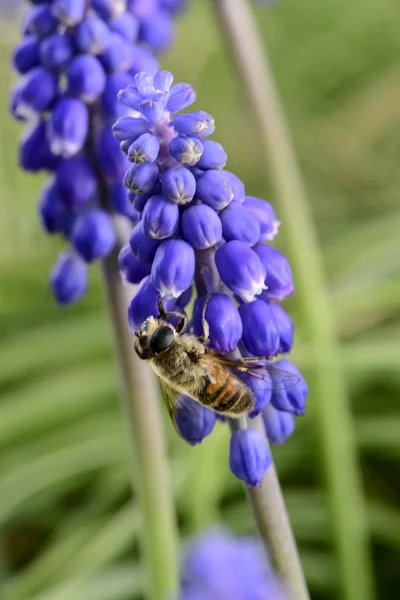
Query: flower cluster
x,y
74,57
196,225
217,566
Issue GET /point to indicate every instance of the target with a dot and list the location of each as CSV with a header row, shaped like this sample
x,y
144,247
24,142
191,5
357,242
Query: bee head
x,y
154,336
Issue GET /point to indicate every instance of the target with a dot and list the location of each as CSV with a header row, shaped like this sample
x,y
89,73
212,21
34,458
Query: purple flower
x,y
74,58
249,458
218,566
279,425
132,270
213,231
193,420
68,278
292,397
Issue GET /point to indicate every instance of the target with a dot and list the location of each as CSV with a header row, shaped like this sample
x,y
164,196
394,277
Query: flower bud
x,y
118,55
260,331
198,124
109,9
145,303
193,420
120,203
178,185
184,299
140,179
131,270
213,156
223,320
129,128
34,149
92,35
38,89
76,181
173,268
112,162
143,9
54,215
69,12
237,186
68,278
279,278
126,25
68,127
240,269
144,149
249,458
143,248
265,214
56,51
152,107
285,328
289,394
214,188
162,81
186,150
158,31
279,425
180,96
26,54
238,223
93,235
139,200
160,218
111,107
41,21
85,78
201,226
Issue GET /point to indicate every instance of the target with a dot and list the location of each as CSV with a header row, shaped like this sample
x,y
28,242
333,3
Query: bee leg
x,y
161,309
206,330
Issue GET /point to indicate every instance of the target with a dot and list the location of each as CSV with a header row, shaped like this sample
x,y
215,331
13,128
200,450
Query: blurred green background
x,y
68,526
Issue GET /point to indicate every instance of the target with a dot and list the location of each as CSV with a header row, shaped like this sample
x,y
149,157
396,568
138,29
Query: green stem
x,y
150,468
332,404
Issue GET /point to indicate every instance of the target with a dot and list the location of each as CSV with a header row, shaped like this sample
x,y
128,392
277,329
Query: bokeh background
x,y
68,525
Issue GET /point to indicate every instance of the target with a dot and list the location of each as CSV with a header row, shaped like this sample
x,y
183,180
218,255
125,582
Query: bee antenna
x,y
136,333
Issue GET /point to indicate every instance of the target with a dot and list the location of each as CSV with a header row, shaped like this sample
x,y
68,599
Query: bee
x,y
186,365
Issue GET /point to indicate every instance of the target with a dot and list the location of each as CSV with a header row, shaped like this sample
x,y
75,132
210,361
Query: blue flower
x,y
198,226
218,566
74,58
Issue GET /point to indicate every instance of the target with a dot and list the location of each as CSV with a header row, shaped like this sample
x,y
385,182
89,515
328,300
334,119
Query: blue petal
x,y
279,425
129,128
54,214
111,107
145,303
141,178
121,204
68,127
198,124
26,54
193,421
223,319
69,12
201,227
132,270
108,9
162,81
180,96
279,279
85,78
160,218
178,185
143,248
92,35
34,149
41,21
213,156
126,25
158,31
292,399
260,330
56,51
38,89
285,328
93,235
68,278
240,269
214,188
186,150
173,268
76,181
112,161
249,458
238,223
118,55
144,149
265,214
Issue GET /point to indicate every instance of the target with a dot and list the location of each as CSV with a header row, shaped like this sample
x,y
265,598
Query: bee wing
x,y
170,398
273,378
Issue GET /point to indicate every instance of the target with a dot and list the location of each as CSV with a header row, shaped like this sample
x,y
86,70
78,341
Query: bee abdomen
x,y
232,396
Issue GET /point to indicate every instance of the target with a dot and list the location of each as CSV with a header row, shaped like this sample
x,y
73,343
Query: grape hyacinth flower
x,y
73,58
217,566
197,229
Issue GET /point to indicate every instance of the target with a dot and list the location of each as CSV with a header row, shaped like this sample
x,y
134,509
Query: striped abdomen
x,y
227,395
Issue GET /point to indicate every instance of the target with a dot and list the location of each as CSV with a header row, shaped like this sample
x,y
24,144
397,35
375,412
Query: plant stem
x,y
150,469
332,404
273,523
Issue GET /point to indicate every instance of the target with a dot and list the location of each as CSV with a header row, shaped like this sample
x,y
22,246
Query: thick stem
x,y
266,501
328,387
150,468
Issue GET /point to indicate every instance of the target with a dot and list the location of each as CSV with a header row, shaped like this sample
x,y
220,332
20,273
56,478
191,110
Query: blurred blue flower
x,y
219,566
198,226
74,58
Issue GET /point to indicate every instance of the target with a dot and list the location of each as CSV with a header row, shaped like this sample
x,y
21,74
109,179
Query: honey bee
x,y
186,365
